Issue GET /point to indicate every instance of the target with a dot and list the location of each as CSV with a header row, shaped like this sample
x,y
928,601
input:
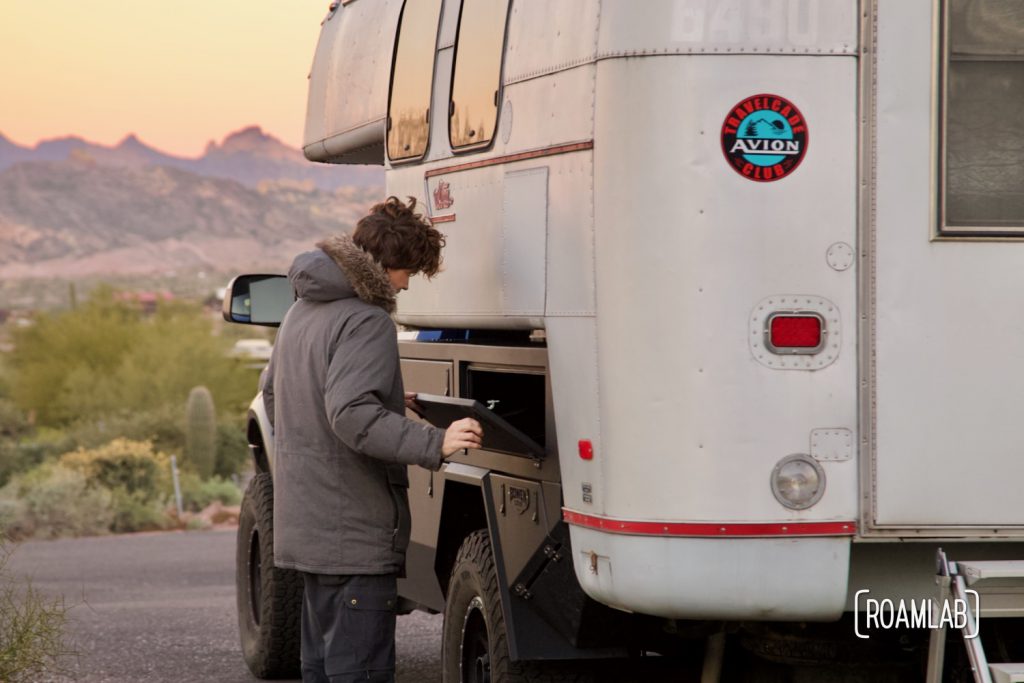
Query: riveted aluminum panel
x,y
948,345
831,444
573,365
686,248
481,286
348,84
470,286
524,241
728,27
570,276
550,118
549,36
549,111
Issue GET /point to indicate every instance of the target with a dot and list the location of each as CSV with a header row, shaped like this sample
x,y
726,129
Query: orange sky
x,y
176,73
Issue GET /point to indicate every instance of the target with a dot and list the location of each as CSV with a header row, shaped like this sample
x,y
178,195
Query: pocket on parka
x,y
403,519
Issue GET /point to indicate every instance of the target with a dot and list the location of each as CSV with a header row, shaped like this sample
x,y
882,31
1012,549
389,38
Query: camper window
x,y
411,79
983,153
476,81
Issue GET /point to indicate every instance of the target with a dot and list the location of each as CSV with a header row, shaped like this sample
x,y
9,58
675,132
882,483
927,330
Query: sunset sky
x,y
177,74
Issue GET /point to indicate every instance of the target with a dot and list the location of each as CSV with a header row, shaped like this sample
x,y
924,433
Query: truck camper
x,y
736,281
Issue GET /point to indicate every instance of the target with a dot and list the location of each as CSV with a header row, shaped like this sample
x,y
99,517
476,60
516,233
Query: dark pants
x,y
348,628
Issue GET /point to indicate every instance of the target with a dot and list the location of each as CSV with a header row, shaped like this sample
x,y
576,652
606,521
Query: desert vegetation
x,y
33,638
94,401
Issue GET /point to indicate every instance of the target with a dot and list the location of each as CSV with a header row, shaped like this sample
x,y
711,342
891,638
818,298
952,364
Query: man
x,y
342,441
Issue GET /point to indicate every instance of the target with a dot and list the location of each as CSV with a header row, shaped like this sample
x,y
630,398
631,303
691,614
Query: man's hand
x,y
464,433
410,400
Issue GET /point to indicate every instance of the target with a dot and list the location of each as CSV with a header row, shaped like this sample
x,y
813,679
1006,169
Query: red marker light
x,y
586,449
795,331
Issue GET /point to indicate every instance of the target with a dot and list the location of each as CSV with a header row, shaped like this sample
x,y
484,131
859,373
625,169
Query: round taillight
x,y
798,481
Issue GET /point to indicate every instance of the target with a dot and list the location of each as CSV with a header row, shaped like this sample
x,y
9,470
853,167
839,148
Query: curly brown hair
x,y
398,237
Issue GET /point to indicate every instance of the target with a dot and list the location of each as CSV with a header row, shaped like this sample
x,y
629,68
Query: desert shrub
x,y
41,445
161,426
122,463
197,494
137,477
120,486
105,358
32,629
132,513
13,421
51,500
59,347
232,448
21,456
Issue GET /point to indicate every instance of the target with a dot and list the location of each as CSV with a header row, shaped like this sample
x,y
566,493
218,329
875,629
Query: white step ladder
x,y
953,579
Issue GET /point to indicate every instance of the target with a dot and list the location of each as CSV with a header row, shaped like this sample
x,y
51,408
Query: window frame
x,y
391,87
499,92
944,60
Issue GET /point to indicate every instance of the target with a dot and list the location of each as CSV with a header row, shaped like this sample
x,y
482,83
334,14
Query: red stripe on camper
x,y
709,529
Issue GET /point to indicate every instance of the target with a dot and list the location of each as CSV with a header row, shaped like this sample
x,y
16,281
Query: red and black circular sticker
x,y
764,137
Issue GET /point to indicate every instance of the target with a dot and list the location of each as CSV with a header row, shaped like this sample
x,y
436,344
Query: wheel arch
x,y
260,435
257,449
463,511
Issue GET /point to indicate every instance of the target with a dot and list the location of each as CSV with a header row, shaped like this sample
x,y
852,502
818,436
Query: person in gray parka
x,y
342,442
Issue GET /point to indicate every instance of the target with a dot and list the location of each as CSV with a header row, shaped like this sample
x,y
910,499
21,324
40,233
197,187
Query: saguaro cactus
x,y
201,432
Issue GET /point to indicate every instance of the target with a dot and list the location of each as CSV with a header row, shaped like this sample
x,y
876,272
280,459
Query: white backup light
x,y
798,481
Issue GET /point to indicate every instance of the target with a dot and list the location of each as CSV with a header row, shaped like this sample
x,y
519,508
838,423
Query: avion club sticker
x,y
764,137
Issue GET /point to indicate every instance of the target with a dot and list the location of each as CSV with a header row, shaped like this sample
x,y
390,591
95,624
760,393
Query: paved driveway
x,y
161,607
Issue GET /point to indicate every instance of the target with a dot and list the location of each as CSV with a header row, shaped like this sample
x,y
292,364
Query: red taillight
x,y
795,331
586,449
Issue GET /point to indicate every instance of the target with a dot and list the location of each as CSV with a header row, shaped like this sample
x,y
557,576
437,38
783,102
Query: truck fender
x,y
474,498
260,436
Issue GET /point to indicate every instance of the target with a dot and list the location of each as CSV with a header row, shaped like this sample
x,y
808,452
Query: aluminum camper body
x,y
623,198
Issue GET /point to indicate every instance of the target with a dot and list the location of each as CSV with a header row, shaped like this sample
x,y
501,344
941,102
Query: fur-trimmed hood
x,y
338,269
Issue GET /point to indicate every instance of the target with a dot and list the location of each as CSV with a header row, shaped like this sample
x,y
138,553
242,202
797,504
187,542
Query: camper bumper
x,y
771,578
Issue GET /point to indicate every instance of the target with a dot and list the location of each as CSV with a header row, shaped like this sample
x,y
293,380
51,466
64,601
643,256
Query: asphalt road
x,y
161,607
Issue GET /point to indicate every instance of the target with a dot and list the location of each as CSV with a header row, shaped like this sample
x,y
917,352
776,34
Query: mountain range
x,y
73,210
249,156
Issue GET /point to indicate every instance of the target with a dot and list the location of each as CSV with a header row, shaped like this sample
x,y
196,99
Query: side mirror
x,y
258,299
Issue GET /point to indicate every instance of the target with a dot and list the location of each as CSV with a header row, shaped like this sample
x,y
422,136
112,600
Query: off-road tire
x,y
474,578
269,599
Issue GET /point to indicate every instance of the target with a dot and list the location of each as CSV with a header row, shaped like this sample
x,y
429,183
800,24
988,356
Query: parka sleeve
x,y
359,379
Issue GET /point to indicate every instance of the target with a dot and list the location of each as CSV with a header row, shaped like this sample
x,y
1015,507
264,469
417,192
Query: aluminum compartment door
x,y
948,337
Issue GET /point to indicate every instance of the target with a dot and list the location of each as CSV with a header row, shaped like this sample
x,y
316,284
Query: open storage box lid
x,y
499,435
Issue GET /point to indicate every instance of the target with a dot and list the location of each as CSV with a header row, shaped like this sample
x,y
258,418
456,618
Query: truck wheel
x,y
269,599
474,646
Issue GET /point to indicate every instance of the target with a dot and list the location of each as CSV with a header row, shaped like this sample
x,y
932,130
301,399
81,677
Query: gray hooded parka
x,y
341,440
